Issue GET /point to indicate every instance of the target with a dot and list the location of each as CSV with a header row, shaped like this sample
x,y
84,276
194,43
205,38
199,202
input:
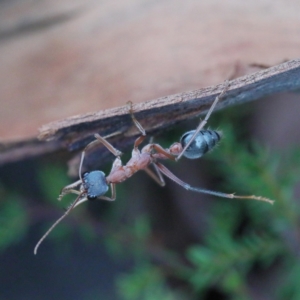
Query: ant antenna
x,y
54,225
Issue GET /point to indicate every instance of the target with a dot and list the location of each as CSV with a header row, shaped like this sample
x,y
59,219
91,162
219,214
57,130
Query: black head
x,y
95,184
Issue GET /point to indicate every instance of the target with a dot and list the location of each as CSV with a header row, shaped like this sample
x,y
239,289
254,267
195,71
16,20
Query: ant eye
x,y
95,184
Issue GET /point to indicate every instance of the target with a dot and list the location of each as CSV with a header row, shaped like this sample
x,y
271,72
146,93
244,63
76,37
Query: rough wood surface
x,y
75,132
64,58
167,110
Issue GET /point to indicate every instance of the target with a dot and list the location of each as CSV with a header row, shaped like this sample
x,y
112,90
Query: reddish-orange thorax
x,y
139,161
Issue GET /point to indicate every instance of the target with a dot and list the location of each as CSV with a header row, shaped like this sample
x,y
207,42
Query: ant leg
x,y
108,145
138,125
203,123
135,121
99,140
70,189
161,151
156,177
112,198
113,194
169,174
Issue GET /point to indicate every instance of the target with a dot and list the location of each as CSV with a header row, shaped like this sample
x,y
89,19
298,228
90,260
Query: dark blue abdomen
x,y
204,142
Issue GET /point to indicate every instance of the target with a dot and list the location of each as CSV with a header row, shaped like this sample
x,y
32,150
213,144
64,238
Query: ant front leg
x,y
203,122
138,125
70,189
99,140
111,198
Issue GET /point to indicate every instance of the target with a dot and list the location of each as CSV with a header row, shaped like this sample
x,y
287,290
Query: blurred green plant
x,y
13,219
52,178
243,237
146,282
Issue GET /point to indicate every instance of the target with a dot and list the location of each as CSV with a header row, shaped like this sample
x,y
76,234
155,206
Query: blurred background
x,y
62,58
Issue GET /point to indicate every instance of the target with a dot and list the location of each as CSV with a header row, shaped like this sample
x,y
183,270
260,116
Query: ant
x,y
193,144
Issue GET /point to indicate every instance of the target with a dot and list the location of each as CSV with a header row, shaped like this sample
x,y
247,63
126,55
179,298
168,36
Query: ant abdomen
x,y
203,142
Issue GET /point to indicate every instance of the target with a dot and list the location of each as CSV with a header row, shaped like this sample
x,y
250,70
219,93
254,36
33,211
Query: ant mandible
x,y
193,144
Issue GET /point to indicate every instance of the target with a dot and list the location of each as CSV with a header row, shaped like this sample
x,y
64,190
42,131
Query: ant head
x,y
94,184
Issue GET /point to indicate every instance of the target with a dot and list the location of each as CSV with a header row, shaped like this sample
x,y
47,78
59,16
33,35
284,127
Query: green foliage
x,y
52,178
242,236
232,248
135,234
146,282
13,219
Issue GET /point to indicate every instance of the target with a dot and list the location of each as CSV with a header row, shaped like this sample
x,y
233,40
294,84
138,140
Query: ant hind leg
x,y
158,178
173,177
